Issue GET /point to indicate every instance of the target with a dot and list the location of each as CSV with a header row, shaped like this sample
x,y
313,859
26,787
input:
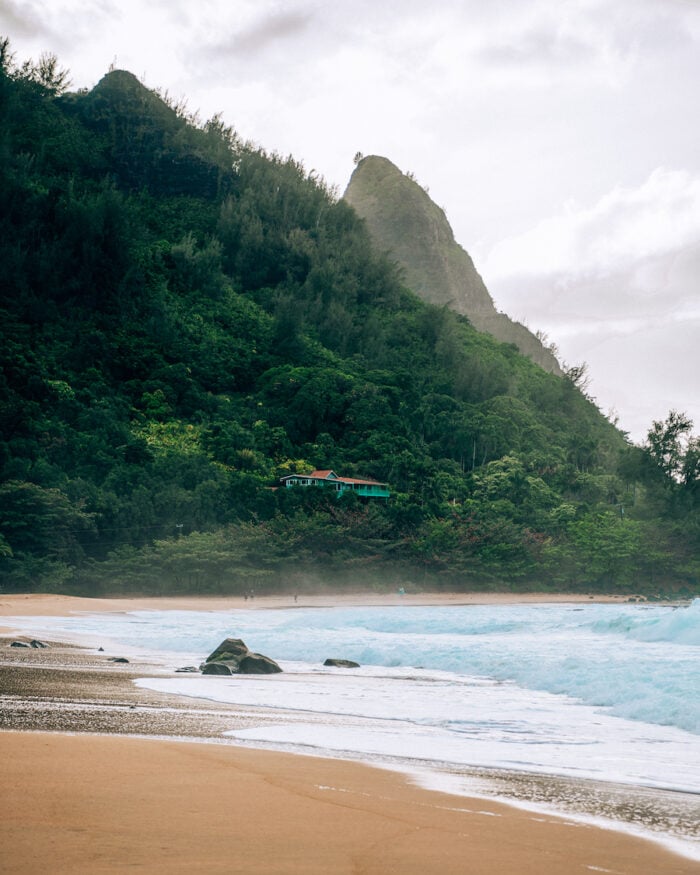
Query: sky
x,y
561,137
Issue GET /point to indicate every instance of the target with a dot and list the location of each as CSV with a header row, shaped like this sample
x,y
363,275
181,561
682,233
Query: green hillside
x,y
186,319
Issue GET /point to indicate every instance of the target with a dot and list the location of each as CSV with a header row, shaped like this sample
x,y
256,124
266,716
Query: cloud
x,y
534,45
259,36
543,47
645,373
641,348
625,227
60,26
617,285
20,18
267,33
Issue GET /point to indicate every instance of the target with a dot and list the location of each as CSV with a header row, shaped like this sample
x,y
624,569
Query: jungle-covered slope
x,y
187,318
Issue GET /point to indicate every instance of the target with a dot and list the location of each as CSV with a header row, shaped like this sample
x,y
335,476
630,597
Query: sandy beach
x,y
88,796
49,605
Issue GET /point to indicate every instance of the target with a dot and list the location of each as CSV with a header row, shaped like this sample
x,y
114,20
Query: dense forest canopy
x,y
187,318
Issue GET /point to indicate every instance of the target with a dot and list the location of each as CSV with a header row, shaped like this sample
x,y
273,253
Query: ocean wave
x,y
676,625
636,661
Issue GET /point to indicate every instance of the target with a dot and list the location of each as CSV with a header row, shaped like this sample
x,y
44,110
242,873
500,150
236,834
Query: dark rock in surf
x,y
256,663
235,655
230,648
342,663
216,668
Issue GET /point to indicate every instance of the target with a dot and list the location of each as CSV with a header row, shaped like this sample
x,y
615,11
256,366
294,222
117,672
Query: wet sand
x,y
93,803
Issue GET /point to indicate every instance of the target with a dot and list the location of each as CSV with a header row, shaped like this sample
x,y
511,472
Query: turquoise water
x,y
633,661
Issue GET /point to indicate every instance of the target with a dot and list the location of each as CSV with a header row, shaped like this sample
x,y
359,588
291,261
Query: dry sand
x,y
86,803
61,605
98,804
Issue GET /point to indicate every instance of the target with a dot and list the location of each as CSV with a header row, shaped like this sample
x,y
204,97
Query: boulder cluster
x,y
232,656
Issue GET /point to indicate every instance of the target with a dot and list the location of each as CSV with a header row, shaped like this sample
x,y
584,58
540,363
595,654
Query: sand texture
x,y
93,804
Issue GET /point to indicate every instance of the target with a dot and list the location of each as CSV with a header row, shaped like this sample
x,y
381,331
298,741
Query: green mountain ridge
x,y
186,319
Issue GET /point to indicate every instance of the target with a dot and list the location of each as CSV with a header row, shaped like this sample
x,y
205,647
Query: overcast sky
x,y
562,138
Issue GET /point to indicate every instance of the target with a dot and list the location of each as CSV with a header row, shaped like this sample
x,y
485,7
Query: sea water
x,y
604,697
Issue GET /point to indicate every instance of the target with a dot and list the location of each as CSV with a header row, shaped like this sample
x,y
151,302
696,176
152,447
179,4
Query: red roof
x,y
325,475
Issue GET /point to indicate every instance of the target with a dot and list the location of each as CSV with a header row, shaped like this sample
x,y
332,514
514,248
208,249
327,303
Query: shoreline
x,y
47,604
74,690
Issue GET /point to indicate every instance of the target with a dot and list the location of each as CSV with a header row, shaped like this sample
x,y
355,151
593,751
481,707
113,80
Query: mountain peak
x,y
404,221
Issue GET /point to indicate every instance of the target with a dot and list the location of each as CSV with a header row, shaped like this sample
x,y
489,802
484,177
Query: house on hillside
x,y
339,485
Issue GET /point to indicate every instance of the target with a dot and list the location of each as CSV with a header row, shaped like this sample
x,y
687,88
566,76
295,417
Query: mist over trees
x,y
186,318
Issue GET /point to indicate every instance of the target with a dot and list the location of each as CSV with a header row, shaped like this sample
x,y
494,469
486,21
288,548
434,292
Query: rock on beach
x,y
233,656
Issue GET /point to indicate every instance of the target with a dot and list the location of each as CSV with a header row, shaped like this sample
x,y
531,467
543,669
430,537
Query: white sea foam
x,y
444,717
635,661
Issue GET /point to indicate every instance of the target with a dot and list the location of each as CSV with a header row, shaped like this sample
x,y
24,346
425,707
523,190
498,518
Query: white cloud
x,y
625,227
617,285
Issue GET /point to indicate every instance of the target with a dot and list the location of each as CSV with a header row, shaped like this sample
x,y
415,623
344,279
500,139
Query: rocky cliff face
x,y
404,221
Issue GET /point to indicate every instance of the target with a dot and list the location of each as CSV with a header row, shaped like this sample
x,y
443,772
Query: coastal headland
x,y
86,790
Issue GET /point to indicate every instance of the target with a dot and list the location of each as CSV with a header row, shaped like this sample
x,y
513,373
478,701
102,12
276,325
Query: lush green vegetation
x,y
186,318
